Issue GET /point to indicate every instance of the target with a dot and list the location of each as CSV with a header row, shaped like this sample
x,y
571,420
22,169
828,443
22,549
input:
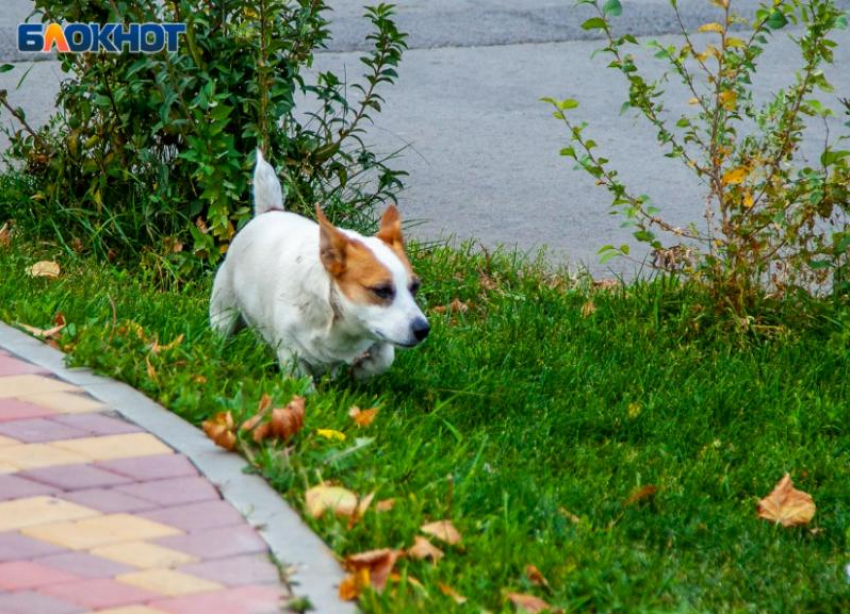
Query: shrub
x,y
156,151
771,222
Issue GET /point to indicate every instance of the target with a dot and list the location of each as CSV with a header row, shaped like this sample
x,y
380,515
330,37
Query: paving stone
x,y
173,492
22,513
195,517
84,564
75,477
17,547
23,575
97,424
217,543
31,602
115,446
39,430
145,468
24,385
144,555
13,366
99,531
35,455
17,487
63,402
109,501
169,582
15,409
99,594
244,600
236,571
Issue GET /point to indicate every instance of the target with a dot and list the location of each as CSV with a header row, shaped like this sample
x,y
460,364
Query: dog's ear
x,y
332,245
390,229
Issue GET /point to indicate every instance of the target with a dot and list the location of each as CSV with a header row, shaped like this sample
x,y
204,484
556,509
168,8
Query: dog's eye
x,y
384,292
414,287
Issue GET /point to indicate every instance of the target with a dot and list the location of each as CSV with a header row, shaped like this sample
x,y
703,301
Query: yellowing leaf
x,y
156,348
528,603
330,434
44,268
5,235
536,576
735,43
362,417
735,176
588,309
339,500
693,101
710,27
354,584
448,591
443,530
748,200
645,492
423,549
786,505
729,100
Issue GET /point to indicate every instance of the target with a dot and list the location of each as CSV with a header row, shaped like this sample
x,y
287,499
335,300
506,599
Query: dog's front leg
x,y
378,359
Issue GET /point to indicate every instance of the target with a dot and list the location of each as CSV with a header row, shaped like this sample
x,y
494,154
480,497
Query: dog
x,y
320,296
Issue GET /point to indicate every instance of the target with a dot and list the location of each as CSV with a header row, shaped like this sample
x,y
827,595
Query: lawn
x,y
534,420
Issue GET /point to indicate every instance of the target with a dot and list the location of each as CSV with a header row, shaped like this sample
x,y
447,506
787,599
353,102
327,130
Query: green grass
x,y
520,413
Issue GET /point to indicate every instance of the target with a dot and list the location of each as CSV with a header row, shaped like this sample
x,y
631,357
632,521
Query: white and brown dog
x,y
321,296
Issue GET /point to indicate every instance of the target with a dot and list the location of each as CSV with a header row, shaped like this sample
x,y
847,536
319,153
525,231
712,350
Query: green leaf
x,y
6,68
613,8
830,157
566,104
594,23
777,20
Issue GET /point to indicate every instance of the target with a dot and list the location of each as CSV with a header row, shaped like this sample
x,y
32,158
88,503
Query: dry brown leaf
x,y
379,563
605,284
569,515
339,500
45,268
262,408
423,549
364,504
47,333
528,603
588,309
289,420
220,429
151,371
450,592
456,306
354,584
5,235
645,492
536,576
156,348
385,506
786,505
362,417
443,530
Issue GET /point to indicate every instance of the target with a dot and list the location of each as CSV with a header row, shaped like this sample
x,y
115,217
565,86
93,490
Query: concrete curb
x,y
316,572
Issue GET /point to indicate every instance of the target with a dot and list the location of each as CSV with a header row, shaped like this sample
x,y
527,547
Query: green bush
x,y
154,152
772,223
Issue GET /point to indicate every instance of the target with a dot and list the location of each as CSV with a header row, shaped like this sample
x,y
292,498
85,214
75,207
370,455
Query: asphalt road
x,y
481,149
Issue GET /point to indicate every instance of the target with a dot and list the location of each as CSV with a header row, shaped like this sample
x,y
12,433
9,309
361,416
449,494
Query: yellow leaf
x,y
748,200
729,100
710,27
362,417
330,434
448,591
786,505
339,500
733,43
354,584
735,176
693,101
443,530
45,268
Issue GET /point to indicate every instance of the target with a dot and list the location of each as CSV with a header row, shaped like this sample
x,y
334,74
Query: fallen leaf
x,y
456,306
605,284
285,421
528,603
47,333
5,235
569,515
364,504
151,371
354,584
45,268
362,417
423,549
385,506
262,409
536,576
450,592
645,492
588,309
379,564
220,428
331,434
156,348
786,505
443,530
339,500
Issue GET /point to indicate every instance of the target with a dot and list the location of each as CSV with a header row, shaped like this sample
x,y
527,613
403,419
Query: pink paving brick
x,y
85,565
13,409
23,575
217,543
31,602
109,501
198,516
97,424
245,600
173,492
14,546
145,468
13,366
247,570
75,477
38,430
17,487
99,594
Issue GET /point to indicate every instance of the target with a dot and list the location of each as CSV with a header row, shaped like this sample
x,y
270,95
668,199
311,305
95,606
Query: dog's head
x,y
375,282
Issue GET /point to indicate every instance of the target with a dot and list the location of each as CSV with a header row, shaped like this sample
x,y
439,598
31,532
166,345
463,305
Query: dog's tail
x,y
268,195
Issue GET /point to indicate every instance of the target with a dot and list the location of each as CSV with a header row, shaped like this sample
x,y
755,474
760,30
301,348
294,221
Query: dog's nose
x,y
420,328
